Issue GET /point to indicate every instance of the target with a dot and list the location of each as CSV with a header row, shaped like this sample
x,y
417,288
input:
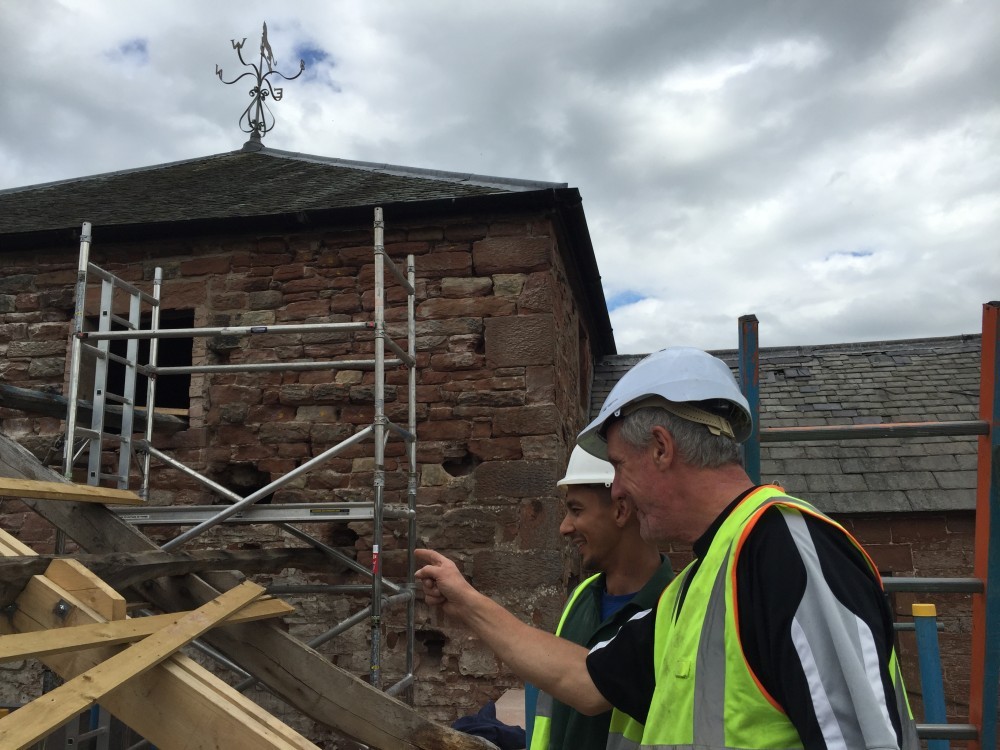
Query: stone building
x,y
514,349
509,317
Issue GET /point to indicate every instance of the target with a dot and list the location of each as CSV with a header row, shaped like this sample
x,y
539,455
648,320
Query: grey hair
x,y
695,444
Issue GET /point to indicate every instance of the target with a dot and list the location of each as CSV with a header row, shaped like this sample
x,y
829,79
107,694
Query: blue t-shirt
x,y
612,603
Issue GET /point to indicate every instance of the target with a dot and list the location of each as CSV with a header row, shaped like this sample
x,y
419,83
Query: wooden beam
x,y
178,705
53,709
87,587
54,405
123,569
287,667
42,643
82,493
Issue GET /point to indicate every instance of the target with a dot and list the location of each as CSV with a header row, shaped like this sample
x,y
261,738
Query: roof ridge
x,y
859,347
400,170
466,178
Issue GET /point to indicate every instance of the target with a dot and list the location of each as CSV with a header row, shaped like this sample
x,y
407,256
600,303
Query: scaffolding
x,y
981,729
90,445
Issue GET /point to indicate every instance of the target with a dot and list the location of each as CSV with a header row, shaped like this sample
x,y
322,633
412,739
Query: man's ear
x,y
623,510
662,446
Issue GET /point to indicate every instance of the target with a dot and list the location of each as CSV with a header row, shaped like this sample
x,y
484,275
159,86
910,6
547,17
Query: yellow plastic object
x,y
924,610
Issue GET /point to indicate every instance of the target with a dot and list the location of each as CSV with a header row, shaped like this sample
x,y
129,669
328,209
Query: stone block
x,y
284,433
892,558
36,348
483,307
16,284
539,381
316,308
537,295
477,659
217,264
508,284
514,571
536,419
46,367
511,255
516,479
456,361
543,448
496,449
445,264
444,430
466,287
538,523
520,340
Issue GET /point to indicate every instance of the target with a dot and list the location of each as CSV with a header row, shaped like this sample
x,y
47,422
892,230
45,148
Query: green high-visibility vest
x,y
706,696
622,725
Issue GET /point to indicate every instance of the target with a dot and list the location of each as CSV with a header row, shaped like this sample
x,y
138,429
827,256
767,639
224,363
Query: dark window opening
x,y
172,391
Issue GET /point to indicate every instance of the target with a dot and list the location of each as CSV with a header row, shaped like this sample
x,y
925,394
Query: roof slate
x,y
921,380
235,184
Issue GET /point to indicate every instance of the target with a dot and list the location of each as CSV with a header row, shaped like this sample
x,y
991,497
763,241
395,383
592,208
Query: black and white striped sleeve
x,y
817,631
622,667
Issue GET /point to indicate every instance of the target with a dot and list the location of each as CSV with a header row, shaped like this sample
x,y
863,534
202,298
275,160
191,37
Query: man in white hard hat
x,y
631,576
777,635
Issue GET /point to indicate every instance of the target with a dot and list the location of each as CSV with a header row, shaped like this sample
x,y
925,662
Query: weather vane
x,y
257,119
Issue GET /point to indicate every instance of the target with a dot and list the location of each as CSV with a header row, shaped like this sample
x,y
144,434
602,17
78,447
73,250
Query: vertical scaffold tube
x,y
985,673
411,483
75,348
750,383
375,662
154,354
931,680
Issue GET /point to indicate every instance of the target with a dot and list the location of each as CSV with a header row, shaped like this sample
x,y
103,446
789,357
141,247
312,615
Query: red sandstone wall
x,y
499,399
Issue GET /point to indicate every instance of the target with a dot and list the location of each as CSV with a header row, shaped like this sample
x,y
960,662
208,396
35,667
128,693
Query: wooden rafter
x,y
42,643
176,705
46,713
287,667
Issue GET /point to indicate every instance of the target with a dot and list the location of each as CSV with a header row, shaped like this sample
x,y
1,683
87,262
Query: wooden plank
x,y
83,493
175,698
89,588
53,709
42,643
178,705
296,673
10,545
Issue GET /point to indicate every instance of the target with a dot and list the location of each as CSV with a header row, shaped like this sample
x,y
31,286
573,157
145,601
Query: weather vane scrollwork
x,y
257,119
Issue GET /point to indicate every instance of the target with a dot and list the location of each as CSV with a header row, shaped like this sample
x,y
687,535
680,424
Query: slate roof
x,y
236,184
264,189
921,380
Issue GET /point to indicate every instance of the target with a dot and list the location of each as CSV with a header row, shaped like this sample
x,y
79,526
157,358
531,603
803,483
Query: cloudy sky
x,y
832,167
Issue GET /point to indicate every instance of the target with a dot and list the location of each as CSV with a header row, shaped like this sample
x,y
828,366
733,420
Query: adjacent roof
x,y
922,380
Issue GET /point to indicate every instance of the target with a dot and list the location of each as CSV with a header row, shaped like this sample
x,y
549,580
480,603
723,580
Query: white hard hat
x,y
584,468
678,374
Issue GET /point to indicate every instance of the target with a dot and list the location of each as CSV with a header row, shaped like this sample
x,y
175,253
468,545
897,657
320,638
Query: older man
x,y
777,635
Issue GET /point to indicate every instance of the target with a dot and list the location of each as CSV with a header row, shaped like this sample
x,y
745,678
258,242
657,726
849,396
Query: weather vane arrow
x,y
257,119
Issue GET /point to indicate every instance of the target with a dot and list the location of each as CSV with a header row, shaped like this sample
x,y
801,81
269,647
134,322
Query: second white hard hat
x,y
584,468
679,374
